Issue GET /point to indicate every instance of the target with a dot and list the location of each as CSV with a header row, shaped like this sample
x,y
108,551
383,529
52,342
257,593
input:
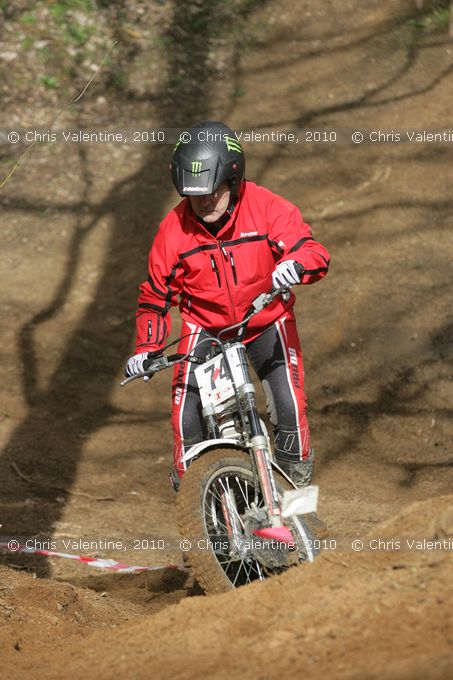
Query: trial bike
x,y
241,517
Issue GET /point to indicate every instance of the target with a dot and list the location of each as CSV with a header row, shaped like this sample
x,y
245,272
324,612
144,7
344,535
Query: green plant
x,y
28,19
50,82
117,80
27,43
437,19
72,30
78,33
58,11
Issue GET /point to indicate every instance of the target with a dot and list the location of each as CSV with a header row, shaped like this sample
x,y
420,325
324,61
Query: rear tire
x,y
199,518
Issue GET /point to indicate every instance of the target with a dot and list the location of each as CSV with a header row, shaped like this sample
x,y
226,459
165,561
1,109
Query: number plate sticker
x,y
213,381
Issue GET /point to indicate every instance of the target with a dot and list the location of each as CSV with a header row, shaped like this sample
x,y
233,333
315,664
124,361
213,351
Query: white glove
x,y
135,364
285,274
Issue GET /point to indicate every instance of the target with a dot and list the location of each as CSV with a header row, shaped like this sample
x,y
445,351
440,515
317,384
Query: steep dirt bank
x,y
377,614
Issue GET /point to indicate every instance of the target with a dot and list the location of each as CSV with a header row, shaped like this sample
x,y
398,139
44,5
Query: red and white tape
x,y
97,562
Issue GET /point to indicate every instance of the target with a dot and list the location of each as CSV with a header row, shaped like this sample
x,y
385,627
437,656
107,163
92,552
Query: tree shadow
x,y
403,397
46,445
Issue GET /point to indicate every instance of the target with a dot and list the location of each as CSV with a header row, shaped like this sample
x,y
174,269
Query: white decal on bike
x,y
214,382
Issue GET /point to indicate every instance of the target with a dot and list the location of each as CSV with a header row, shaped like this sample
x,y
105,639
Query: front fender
x,y
197,449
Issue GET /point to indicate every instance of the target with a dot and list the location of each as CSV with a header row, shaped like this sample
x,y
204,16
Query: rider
x,y
226,242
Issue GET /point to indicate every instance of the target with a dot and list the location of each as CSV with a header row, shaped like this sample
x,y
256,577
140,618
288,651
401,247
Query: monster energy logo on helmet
x,y
233,144
196,168
212,156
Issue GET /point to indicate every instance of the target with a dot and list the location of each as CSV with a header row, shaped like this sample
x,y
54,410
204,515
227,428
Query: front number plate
x,y
213,381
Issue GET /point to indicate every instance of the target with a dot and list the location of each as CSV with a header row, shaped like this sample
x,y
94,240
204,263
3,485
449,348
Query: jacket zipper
x,y
215,269
233,268
223,250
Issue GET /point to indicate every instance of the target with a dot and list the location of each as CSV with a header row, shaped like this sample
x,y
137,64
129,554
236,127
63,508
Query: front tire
x,y
201,521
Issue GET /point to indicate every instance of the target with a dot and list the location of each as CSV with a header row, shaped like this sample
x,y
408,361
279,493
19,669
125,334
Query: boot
x,y
300,472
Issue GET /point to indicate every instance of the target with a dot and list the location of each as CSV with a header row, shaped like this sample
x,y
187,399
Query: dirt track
x,y
377,337
377,614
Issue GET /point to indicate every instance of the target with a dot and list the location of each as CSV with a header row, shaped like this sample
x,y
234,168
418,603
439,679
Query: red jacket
x,y
216,278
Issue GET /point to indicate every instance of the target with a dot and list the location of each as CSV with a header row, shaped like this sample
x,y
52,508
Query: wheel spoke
x,y
230,494
214,495
238,572
244,496
258,569
254,564
227,562
211,508
249,580
235,510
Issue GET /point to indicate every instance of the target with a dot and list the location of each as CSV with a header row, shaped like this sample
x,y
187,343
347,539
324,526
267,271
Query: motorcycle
x,y
240,516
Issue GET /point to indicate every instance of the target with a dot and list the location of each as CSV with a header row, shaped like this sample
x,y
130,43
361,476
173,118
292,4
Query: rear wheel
x,y
218,509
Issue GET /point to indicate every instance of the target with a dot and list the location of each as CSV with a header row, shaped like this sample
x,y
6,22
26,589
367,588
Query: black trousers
x,y
276,357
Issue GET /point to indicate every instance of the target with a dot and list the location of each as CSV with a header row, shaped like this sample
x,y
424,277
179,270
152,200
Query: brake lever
x,y
157,365
265,299
126,381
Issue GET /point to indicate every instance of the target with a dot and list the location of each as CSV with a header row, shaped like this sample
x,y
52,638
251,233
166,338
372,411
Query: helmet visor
x,y
196,178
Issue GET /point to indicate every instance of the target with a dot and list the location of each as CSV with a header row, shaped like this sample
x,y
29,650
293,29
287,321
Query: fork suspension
x,y
261,455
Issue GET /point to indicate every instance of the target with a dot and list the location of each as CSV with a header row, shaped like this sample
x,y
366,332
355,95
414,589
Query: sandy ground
x,y
377,336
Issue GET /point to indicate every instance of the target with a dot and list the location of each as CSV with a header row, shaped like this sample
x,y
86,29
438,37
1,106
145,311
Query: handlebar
x,y
158,362
155,363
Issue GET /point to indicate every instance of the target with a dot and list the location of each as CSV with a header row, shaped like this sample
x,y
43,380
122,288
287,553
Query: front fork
x,y
262,459
277,530
259,444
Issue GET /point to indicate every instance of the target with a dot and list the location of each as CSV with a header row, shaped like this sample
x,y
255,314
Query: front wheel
x,y
218,508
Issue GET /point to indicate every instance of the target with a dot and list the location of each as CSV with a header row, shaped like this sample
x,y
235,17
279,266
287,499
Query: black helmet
x,y
211,155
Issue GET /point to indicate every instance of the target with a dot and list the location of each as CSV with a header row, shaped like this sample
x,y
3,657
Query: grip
x,y
299,268
150,359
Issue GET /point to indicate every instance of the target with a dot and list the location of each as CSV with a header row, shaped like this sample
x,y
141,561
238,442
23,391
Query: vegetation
x,y
437,19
